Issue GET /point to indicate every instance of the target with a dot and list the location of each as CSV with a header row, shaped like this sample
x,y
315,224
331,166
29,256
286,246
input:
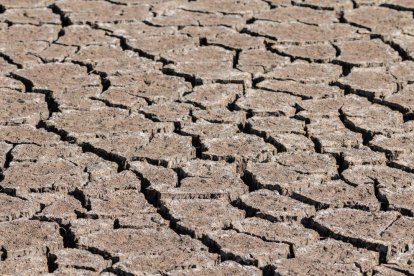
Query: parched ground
x,y
207,137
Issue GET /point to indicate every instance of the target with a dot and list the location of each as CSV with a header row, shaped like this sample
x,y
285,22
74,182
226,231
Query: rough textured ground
x,y
208,137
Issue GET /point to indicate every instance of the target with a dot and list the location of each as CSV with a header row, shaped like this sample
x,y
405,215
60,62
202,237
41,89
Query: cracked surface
x,y
200,137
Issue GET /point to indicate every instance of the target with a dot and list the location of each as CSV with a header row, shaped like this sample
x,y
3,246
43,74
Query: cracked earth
x,y
207,137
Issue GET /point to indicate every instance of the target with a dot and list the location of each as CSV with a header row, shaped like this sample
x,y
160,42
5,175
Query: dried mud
x,y
206,137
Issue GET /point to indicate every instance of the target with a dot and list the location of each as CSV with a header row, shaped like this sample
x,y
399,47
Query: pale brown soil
x,y
206,137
